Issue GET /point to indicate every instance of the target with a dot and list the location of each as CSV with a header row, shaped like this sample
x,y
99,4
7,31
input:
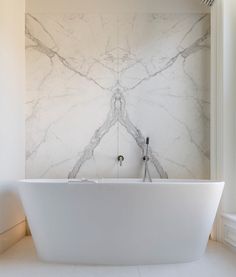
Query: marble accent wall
x,y
98,84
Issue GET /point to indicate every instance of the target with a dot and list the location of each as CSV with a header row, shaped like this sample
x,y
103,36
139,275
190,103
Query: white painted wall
x,y
12,81
229,105
12,131
66,6
223,103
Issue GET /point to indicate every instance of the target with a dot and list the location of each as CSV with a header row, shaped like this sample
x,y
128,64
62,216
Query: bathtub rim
x,y
122,181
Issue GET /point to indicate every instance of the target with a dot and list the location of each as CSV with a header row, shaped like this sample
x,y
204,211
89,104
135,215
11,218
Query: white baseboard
x,y
229,230
11,236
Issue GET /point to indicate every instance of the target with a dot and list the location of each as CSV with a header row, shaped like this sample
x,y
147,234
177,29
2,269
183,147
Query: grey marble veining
x,y
118,113
97,85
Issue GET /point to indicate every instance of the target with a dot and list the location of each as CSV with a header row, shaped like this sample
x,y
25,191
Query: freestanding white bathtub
x,y
120,221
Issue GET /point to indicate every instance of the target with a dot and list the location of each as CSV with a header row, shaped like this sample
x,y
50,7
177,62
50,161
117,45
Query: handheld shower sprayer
x,y
146,159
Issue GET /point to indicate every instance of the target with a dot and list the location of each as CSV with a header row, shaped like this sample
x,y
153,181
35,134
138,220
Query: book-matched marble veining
x,y
97,85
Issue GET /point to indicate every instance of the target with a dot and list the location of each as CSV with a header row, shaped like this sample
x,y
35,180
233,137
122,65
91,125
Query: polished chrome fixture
x,y
209,3
120,159
146,159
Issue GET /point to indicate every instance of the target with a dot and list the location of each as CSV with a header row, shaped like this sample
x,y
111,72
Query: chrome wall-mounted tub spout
x,y
120,159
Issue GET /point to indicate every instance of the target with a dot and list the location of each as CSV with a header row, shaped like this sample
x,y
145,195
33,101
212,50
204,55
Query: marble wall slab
x,y
98,84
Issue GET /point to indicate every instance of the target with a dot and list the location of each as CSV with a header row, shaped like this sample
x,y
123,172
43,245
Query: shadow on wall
x,y
12,218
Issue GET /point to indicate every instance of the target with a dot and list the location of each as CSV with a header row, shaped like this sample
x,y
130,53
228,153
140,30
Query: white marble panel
x,y
98,84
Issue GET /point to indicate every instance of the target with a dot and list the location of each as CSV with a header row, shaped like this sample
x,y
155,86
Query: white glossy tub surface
x,y
120,221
